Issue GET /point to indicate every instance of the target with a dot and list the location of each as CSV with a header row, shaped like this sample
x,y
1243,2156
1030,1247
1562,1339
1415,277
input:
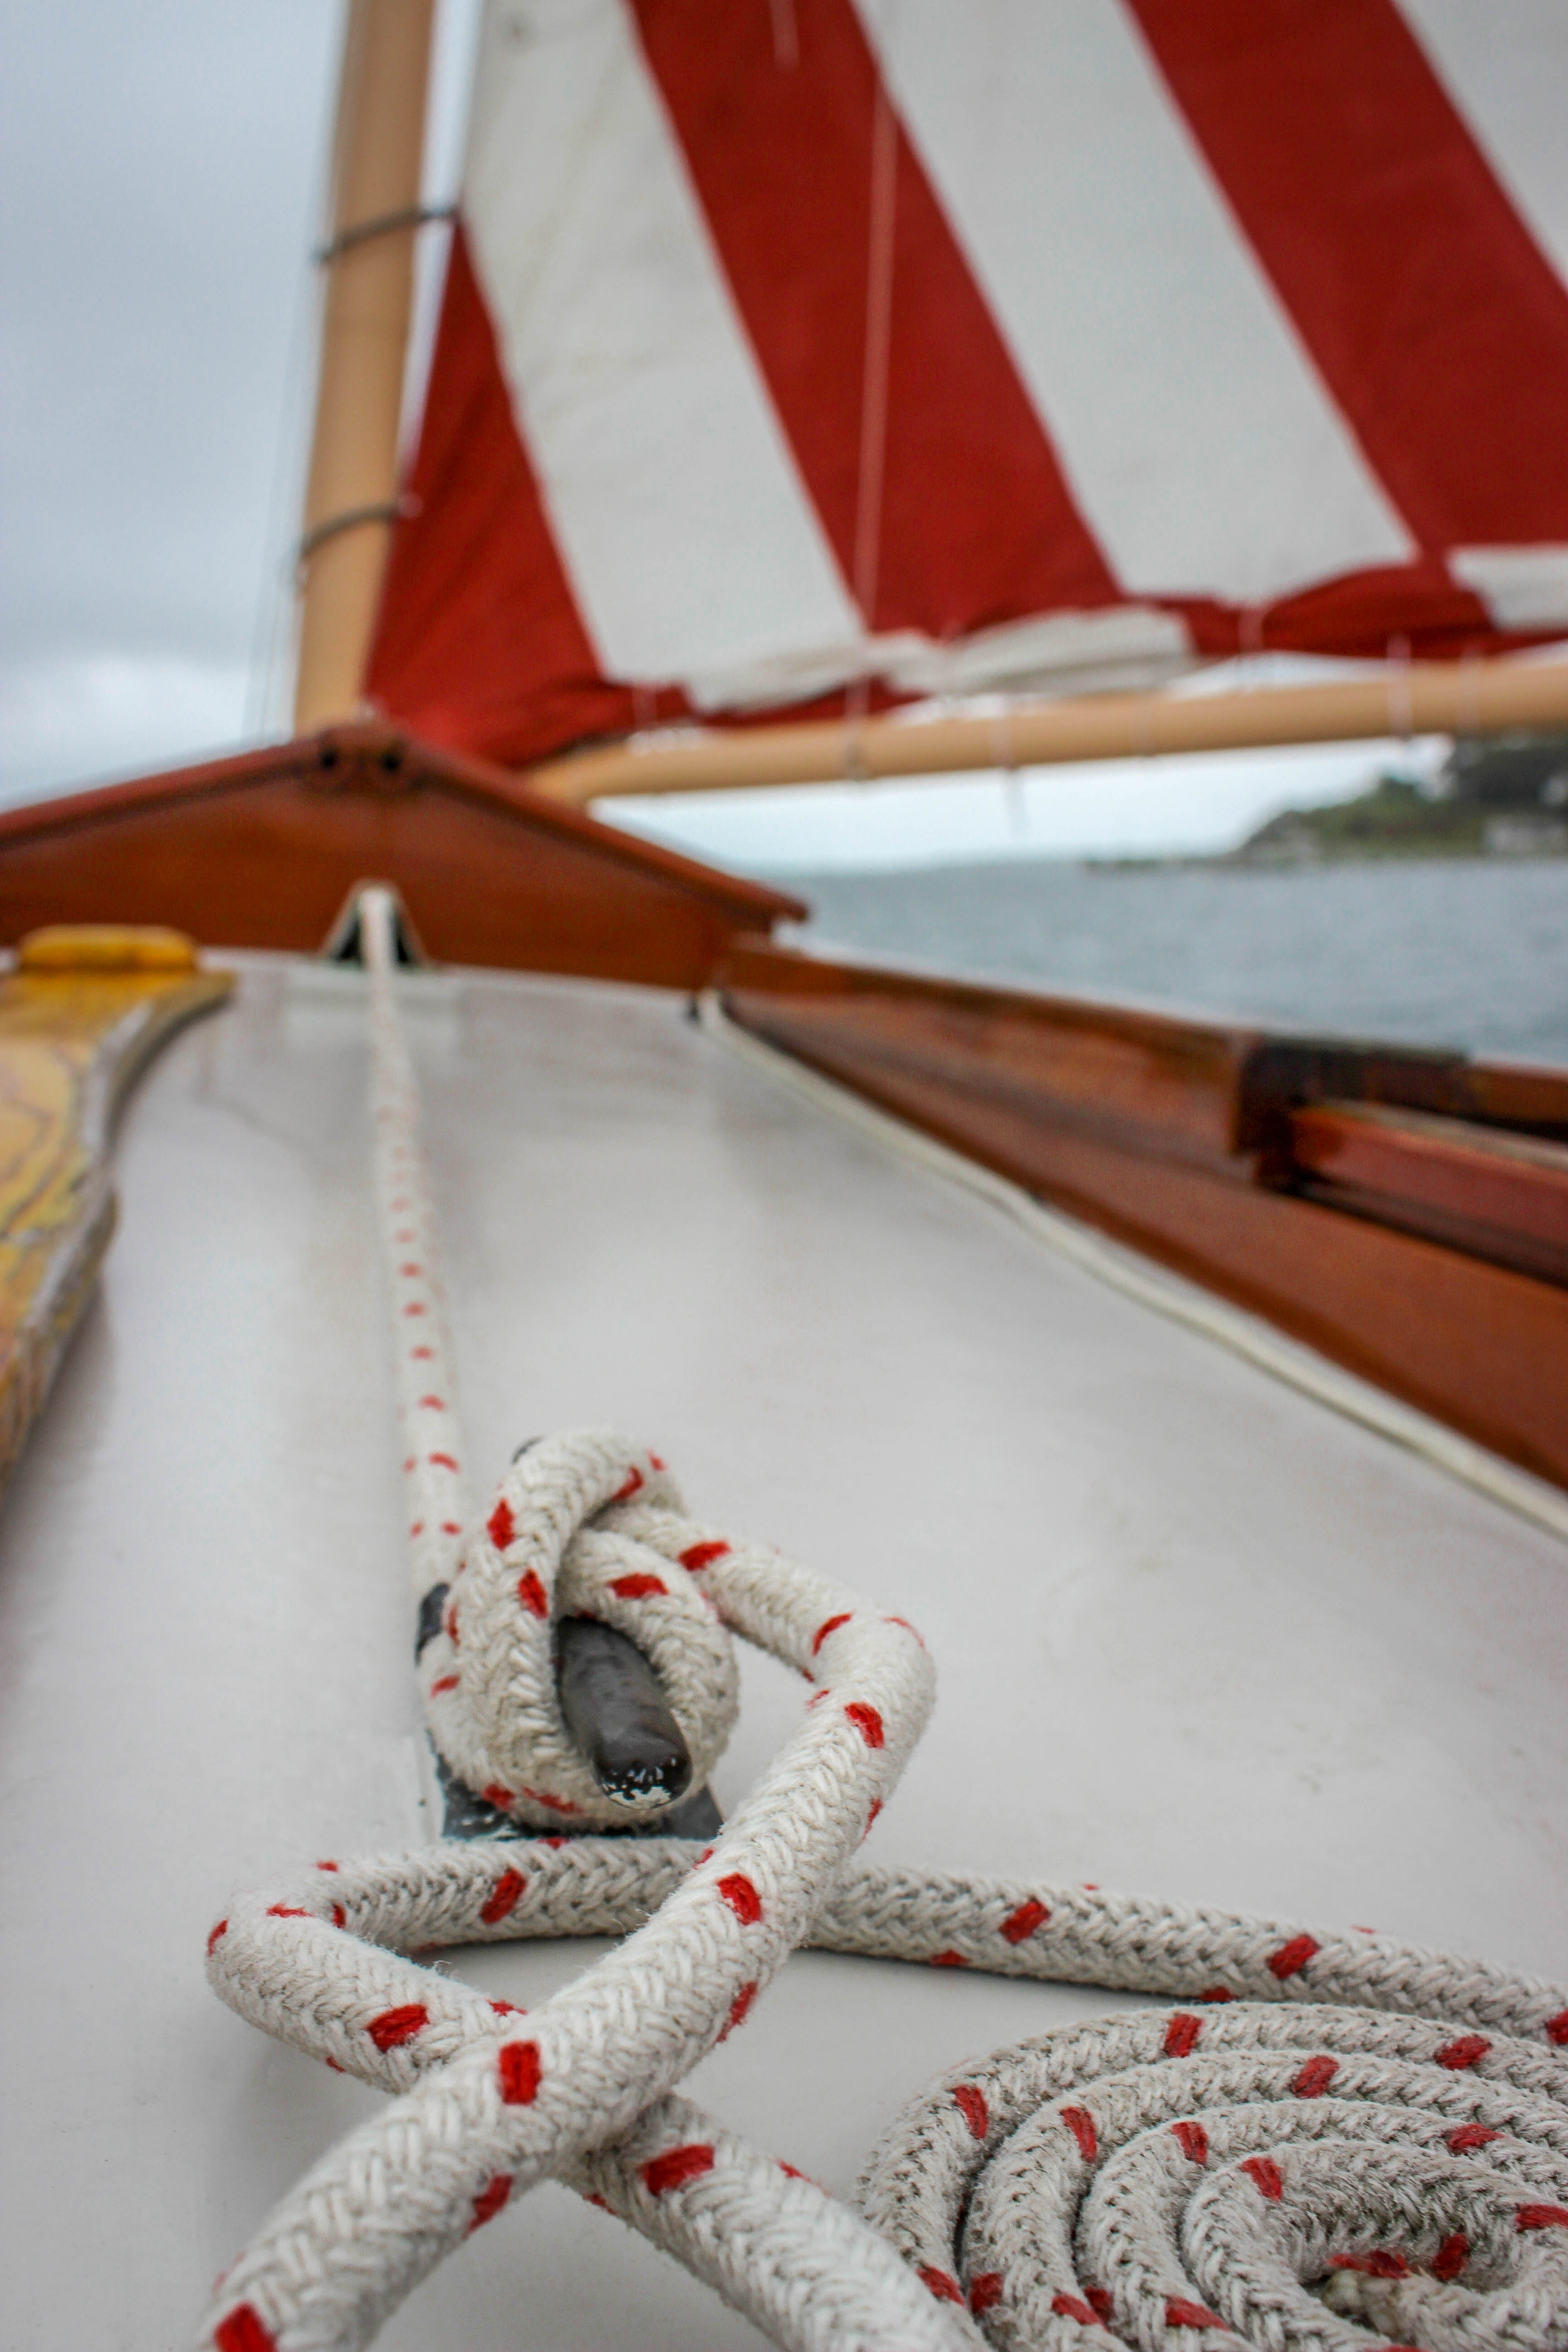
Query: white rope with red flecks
x,y
1393,2124
423,1370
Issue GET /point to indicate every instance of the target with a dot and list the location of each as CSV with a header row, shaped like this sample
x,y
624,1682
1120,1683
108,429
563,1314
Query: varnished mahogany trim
x,y
1500,1195
1142,1153
371,755
259,851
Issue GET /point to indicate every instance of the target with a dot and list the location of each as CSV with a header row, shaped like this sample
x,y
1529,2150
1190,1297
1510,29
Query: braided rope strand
x,y
423,1370
1117,2173
1340,2134
481,2098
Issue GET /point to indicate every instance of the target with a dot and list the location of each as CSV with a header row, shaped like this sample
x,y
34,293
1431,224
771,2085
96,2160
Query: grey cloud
x,y
160,169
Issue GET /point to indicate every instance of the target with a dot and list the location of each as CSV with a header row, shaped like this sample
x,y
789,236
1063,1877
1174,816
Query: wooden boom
x,y
1421,698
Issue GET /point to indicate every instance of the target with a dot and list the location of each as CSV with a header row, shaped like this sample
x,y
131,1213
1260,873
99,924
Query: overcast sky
x,y
159,171
160,168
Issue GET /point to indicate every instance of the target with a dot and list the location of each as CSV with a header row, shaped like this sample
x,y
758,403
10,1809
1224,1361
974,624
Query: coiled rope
x,y
1343,2113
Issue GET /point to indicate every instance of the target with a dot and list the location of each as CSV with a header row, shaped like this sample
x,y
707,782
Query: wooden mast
x,y
350,506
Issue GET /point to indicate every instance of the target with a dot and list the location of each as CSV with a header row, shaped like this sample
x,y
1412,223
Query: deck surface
x,y
1195,1635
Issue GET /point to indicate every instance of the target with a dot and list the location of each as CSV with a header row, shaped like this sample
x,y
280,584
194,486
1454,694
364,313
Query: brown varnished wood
x,y
1140,1080
262,849
1188,1139
1491,1191
1161,1133
1283,1071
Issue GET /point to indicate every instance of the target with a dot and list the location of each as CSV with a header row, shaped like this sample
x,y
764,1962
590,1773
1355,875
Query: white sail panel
x,y
1202,444
675,499
1072,339
1508,75
1522,587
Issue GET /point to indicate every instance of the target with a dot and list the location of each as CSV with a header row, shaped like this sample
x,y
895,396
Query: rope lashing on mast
x,y
1333,2109
395,510
366,232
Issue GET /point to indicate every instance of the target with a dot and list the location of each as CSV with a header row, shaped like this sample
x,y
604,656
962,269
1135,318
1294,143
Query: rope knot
x,y
584,1525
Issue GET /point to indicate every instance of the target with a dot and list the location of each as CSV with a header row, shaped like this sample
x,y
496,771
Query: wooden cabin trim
x,y
1175,1136
378,757
259,851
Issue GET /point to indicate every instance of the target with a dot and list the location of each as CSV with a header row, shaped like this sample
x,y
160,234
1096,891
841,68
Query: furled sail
x,y
794,350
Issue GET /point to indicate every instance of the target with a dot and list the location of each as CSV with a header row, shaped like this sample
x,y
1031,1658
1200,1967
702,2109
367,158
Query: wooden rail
x,y
1498,1195
1400,1210
262,849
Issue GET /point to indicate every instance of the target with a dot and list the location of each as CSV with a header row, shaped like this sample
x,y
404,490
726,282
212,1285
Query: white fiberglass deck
x,y
1194,1633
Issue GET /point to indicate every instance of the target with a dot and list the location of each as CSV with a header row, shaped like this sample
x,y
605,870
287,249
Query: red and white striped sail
x,y
955,346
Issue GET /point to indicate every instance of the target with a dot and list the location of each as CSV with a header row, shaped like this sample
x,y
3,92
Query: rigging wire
x,y
272,629
871,464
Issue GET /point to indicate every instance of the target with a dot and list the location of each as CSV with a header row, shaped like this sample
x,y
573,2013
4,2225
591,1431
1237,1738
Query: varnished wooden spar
x,y
1419,699
1404,1212
79,1016
350,503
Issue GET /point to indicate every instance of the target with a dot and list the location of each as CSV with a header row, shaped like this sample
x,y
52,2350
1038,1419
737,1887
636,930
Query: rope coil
x,y
1175,2176
1345,2110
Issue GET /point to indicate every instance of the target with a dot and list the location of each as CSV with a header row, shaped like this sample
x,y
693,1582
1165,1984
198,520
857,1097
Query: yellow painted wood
x,y
82,1011
83,947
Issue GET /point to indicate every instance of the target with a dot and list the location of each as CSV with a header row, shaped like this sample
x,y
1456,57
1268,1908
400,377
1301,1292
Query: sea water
x,y
1461,951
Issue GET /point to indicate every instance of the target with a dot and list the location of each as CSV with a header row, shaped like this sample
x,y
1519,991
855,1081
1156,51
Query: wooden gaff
x,y
369,261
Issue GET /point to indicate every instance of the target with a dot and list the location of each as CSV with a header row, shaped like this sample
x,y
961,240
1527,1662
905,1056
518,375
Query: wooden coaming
x,y
1180,1137
260,851
1498,1195
1375,1201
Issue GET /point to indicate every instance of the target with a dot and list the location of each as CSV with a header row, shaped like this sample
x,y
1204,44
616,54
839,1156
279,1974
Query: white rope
x,y
425,1374
1034,2195
1178,2174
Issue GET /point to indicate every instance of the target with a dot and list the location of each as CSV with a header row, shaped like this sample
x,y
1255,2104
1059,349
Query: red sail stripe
x,y
1436,323
977,522
479,643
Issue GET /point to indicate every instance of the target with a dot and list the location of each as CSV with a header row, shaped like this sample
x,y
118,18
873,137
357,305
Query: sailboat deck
x,y
1196,1635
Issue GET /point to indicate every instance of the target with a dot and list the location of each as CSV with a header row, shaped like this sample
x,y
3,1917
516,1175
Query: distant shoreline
x,y
1173,861
1465,952
1391,853
1497,803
